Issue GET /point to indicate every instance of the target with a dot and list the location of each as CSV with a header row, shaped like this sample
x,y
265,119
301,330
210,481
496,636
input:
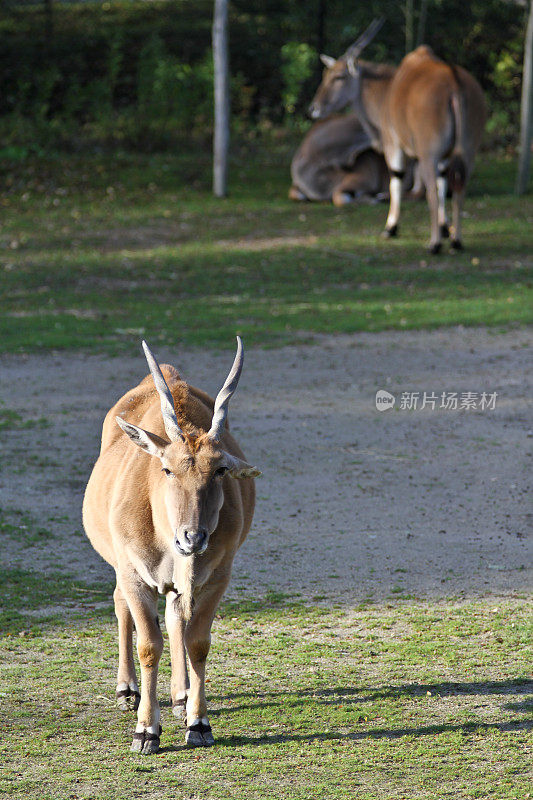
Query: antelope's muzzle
x,y
188,542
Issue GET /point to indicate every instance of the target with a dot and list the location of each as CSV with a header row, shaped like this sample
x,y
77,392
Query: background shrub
x,y
139,73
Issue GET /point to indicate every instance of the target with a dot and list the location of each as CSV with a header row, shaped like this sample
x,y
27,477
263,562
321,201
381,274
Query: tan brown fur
x,y
424,110
132,514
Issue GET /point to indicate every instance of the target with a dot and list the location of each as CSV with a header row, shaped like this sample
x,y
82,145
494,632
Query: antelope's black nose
x,y
192,541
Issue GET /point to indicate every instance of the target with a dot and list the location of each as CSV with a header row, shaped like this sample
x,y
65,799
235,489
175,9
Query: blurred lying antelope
x,y
164,508
426,110
336,162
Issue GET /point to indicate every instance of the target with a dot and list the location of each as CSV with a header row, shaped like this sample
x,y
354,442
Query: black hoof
x,y
393,231
444,232
390,233
435,248
456,244
145,743
199,735
128,700
179,708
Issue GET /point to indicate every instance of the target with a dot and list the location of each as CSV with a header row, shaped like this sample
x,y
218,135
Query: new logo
x,y
384,400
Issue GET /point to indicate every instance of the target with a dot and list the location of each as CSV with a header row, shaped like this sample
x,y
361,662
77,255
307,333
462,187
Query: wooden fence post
x,y
524,157
222,98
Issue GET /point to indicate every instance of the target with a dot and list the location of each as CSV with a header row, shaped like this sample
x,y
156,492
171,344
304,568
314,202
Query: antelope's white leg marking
x,y
395,202
442,186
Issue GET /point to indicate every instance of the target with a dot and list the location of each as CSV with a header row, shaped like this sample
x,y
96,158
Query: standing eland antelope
x,y
164,508
425,110
336,162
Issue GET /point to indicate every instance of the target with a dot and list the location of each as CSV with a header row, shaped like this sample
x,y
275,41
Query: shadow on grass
x,y
278,699
377,733
354,695
466,729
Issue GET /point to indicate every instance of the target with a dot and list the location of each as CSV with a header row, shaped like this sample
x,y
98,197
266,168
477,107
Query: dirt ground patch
x,y
353,503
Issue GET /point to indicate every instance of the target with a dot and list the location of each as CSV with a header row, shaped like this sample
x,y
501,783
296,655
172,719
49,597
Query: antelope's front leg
x,y
197,642
143,605
179,682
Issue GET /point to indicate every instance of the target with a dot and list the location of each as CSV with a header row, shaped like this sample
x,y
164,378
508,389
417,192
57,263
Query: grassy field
x,y
403,700
101,249
398,700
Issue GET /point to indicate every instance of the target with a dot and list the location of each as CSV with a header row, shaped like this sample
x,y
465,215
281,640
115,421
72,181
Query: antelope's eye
x,y
220,471
167,471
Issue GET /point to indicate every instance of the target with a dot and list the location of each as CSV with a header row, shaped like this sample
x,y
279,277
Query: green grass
x,y
98,251
12,420
404,700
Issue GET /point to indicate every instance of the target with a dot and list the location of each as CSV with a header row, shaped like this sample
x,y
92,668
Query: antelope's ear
x,y
328,61
238,468
149,442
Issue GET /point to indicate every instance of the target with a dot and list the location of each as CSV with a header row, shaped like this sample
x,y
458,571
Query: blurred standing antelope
x,y
426,110
164,508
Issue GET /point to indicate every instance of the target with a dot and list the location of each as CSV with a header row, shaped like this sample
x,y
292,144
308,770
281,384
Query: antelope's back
x,y
420,82
418,104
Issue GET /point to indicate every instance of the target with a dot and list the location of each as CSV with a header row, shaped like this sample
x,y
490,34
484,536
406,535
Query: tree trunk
x,y
421,32
409,25
321,26
48,21
222,112
526,109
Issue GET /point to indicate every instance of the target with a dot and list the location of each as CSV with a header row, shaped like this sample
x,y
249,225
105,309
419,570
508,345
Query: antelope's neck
x,y
374,87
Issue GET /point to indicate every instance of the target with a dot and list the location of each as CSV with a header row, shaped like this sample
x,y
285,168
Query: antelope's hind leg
x,y
127,693
297,195
428,170
367,182
457,208
396,164
442,189
348,190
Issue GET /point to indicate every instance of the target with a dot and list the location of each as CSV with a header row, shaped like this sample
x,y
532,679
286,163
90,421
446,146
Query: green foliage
x,y
89,84
168,89
504,106
298,61
138,74
487,38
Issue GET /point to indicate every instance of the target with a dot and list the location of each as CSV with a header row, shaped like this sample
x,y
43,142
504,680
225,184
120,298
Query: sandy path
x,y
353,503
